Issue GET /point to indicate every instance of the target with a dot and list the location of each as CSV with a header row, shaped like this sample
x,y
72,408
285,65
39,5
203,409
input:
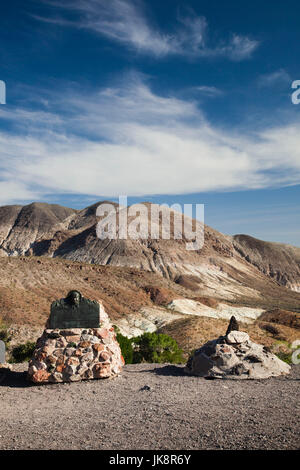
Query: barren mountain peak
x,y
225,266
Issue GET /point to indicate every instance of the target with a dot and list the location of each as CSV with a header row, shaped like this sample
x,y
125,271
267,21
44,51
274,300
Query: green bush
x,y
126,348
149,347
156,348
283,350
285,357
4,336
23,352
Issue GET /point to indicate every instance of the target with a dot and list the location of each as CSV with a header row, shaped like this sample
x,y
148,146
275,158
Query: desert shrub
x,y
159,295
23,352
5,336
188,281
270,329
157,348
282,317
126,348
149,347
285,357
283,350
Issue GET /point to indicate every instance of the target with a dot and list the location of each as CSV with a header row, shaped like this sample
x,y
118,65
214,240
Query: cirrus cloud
x,y
128,140
126,22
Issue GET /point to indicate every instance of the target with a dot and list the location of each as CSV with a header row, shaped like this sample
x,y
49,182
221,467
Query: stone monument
x,y
79,343
235,356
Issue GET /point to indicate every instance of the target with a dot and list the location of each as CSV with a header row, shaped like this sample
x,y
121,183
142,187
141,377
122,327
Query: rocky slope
x,y
226,267
21,226
277,260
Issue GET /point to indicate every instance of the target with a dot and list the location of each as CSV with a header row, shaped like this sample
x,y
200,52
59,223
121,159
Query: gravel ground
x,y
176,412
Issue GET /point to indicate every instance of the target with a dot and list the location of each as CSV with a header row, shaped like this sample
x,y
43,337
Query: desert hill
x,y
146,285
277,260
225,266
20,226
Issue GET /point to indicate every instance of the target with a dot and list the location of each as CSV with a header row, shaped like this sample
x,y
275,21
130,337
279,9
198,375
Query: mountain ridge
x,y
51,230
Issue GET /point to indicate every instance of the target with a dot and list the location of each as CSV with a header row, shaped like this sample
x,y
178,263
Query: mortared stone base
x,y
70,355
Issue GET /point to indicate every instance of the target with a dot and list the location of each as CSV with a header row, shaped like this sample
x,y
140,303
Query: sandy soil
x,y
176,412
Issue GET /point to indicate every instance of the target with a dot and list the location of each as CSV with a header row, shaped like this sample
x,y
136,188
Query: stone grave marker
x,y
2,352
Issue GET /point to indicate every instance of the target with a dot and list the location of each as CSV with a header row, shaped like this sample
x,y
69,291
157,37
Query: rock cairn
x,y
235,356
74,354
233,325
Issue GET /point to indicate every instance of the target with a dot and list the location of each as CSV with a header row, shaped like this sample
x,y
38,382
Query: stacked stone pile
x,y
235,356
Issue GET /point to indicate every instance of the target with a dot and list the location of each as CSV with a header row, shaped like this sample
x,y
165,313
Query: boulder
x,y
235,356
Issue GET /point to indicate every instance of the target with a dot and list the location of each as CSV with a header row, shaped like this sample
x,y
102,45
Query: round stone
x,y
237,337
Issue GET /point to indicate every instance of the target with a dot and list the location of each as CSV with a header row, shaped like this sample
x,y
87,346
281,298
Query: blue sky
x,y
171,101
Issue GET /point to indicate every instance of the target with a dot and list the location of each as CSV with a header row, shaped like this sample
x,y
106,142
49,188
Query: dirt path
x,y
178,412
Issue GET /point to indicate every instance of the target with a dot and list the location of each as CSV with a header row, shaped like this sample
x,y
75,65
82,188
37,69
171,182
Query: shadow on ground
x,y
169,370
14,380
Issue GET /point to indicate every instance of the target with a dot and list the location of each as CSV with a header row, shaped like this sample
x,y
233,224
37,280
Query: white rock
x,y
237,337
295,344
192,307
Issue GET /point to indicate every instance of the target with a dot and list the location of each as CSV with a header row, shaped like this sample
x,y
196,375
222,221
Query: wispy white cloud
x,y
125,21
128,140
210,91
278,77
